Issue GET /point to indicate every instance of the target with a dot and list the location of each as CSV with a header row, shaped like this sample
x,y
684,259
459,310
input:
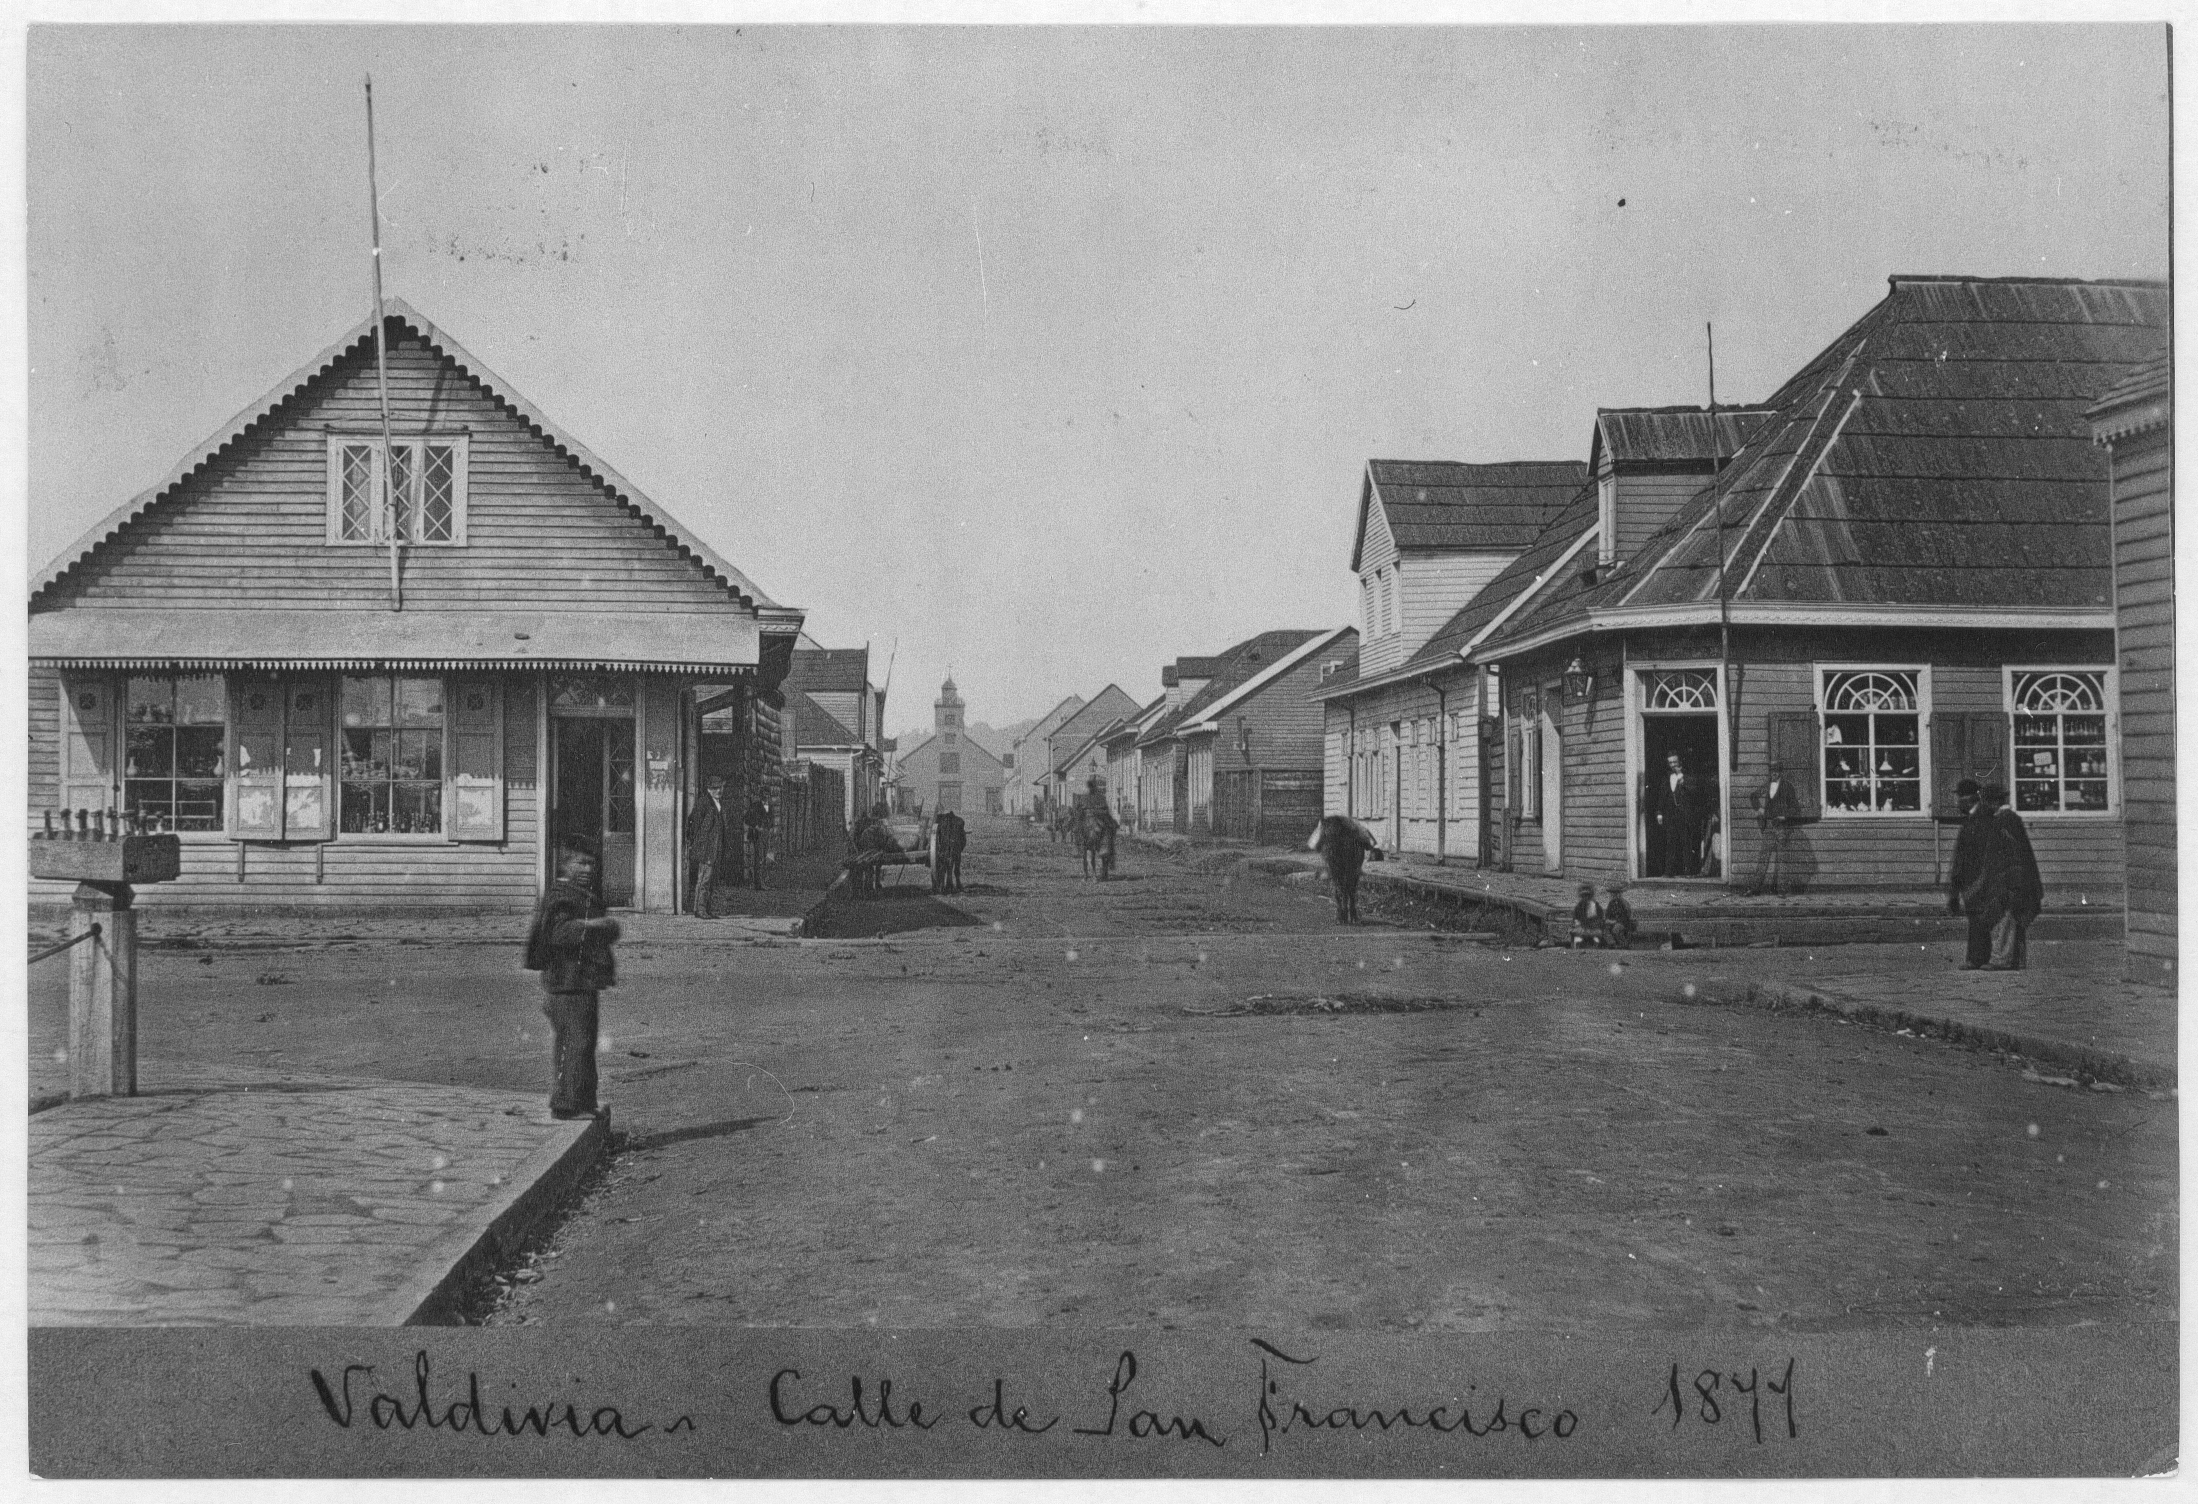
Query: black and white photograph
x,y
1263,751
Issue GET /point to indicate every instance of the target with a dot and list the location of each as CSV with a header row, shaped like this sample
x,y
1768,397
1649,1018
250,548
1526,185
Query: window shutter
x,y
1991,733
473,800
87,743
309,764
1949,761
255,761
1511,759
1797,745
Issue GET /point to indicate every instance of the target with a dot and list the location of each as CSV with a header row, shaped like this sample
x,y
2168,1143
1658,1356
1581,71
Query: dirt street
x,y
1187,1098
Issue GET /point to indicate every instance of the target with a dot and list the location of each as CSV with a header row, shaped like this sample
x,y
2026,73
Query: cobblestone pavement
x,y
239,1197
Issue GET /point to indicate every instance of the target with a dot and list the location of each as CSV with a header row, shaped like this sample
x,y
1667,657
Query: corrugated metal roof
x,y
1935,454
1670,435
396,311
829,670
1445,505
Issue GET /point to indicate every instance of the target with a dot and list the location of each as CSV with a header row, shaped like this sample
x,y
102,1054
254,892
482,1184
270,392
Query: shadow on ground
x,y
891,912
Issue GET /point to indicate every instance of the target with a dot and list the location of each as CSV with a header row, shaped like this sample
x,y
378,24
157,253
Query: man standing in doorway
x,y
2018,889
709,845
1776,811
1673,806
755,824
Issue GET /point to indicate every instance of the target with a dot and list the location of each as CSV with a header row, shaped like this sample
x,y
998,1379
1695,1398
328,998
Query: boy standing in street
x,y
570,945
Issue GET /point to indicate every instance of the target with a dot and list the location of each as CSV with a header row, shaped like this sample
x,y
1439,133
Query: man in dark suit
x,y
2018,890
709,847
1966,889
1673,805
1777,809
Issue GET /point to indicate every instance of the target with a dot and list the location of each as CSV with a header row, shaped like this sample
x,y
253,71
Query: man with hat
x,y
1967,890
570,945
1776,810
2018,889
709,847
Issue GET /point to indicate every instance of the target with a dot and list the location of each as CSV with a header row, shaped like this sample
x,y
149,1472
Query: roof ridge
x,y
1895,279
624,491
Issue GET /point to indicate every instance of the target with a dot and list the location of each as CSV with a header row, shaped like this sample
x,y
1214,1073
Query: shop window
x,y
175,735
2062,749
1873,753
392,728
427,486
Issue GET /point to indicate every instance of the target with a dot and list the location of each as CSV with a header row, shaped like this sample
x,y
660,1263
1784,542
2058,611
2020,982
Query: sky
x,y
1046,355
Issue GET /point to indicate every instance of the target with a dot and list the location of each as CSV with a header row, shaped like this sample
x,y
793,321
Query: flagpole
x,y
381,366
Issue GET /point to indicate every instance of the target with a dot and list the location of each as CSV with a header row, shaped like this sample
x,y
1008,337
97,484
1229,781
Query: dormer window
x,y
427,488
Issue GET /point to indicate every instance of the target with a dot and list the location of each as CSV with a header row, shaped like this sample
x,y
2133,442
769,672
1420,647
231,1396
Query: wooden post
x,y
103,992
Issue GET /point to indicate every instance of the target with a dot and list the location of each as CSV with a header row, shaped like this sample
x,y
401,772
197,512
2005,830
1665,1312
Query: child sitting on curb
x,y
1590,926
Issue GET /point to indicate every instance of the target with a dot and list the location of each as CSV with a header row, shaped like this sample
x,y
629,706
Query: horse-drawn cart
x,y
896,842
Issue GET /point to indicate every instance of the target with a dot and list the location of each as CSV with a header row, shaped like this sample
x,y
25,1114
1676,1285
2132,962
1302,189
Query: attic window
x,y
427,489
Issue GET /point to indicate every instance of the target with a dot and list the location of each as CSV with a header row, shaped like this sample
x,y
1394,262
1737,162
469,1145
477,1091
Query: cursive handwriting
x,y
1531,1424
1145,1423
856,1414
386,1410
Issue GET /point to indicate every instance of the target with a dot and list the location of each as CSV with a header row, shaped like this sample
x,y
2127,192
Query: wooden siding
x,y
253,525
1200,752
1597,809
844,706
375,872
1434,588
44,770
2144,607
1646,502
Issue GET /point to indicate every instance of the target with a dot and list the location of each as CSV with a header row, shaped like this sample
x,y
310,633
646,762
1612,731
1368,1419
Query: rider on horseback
x,y
1094,802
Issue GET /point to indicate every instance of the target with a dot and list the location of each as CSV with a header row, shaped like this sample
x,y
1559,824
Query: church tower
x,y
946,720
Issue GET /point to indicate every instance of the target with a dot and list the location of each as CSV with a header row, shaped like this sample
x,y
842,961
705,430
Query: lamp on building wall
x,y
1579,681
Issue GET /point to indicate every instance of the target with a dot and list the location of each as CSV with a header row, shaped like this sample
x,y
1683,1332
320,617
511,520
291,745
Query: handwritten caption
x,y
1133,1404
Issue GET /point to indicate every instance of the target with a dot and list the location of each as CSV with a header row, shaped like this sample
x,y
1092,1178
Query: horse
x,y
1063,823
1345,845
866,848
1093,833
949,839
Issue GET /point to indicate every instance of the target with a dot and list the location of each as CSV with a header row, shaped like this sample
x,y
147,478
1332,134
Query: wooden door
x,y
593,795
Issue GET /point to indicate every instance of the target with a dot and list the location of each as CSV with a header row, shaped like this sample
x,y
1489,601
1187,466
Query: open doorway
x,y
1678,833
594,794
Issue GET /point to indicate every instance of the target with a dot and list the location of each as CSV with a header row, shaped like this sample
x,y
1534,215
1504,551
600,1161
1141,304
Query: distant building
x,y
946,770
1073,756
835,717
1027,758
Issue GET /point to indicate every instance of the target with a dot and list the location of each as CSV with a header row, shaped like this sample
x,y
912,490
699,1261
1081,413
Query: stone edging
x,y
2105,1065
545,1178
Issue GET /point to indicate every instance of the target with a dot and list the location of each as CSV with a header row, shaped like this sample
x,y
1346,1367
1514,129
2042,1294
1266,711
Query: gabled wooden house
x,y
1027,762
1125,762
1163,771
1901,578
839,719
1251,739
228,654
1072,757
1402,731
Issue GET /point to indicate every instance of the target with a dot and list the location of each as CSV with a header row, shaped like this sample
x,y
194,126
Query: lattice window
x,y
2061,743
590,692
1683,689
392,755
426,485
1873,743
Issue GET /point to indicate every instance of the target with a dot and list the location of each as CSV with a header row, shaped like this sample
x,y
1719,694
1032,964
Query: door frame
x,y
546,772
1637,714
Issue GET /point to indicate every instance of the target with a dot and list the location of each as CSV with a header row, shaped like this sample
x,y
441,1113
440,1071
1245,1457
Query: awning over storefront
x,y
718,644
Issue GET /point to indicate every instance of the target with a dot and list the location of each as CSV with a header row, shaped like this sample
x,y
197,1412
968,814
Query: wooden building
x,y
1026,760
949,769
1403,743
1124,760
1902,577
1251,739
1073,755
2135,420
839,720
225,653
1162,769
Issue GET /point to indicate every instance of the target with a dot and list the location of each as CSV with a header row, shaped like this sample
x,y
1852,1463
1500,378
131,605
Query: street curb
x,y
543,1180
2105,1065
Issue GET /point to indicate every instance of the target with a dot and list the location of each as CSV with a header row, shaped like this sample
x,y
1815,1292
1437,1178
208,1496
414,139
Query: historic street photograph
x,y
1390,684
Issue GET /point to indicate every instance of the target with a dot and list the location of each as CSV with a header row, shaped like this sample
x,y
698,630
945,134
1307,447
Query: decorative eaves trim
x,y
1791,614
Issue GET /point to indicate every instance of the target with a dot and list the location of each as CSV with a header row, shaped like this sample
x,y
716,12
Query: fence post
x,y
103,992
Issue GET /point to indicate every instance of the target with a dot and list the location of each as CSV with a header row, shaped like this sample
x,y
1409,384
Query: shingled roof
x,y
2143,399
1687,436
829,670
1231,668
1933,456
1440,505
814,726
